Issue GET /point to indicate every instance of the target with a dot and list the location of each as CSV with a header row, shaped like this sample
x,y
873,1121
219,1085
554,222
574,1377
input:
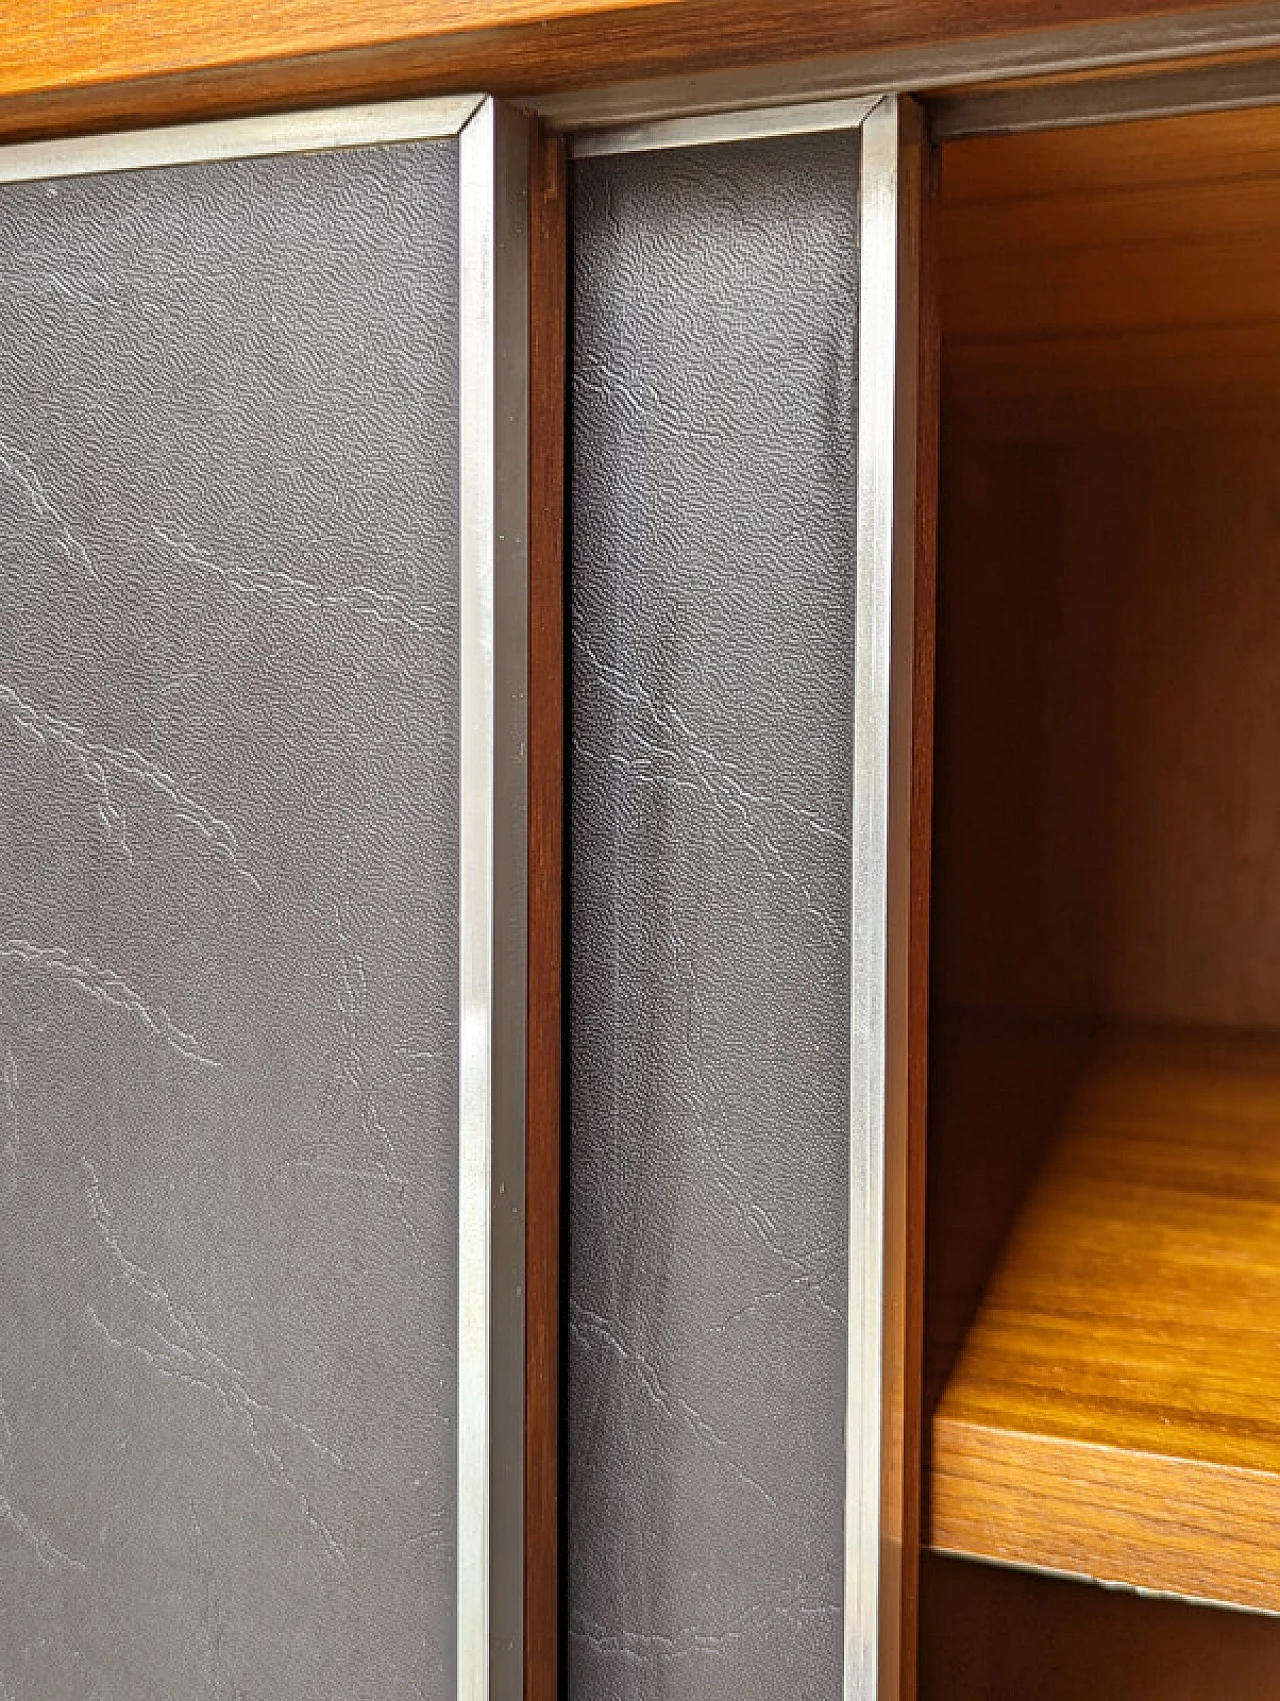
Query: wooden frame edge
x,y
547,289
67,73
923,661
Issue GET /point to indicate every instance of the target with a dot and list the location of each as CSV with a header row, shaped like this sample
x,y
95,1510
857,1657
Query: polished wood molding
x,y
1113,1411
547,204
73,65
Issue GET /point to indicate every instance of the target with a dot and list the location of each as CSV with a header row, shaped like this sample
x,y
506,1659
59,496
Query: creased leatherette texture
x,y
712,595
228,931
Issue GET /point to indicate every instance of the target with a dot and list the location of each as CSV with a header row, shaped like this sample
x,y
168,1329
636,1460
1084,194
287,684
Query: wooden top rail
x,y
76,65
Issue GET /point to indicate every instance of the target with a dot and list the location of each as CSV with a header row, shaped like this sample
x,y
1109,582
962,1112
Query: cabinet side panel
x,y
711,669
229,929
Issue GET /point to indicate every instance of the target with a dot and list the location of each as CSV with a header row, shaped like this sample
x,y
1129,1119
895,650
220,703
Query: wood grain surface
x,y
82,64
547,211
1107,794
1134,259
1115,1409
1102,1361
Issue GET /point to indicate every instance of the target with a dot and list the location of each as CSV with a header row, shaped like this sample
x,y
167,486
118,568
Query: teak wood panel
x,y
1114,1409
1139,258
71,64
1108,730
1107,806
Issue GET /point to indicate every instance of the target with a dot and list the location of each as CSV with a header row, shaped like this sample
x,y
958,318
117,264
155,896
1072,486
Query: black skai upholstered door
x,y
249,473
733,1420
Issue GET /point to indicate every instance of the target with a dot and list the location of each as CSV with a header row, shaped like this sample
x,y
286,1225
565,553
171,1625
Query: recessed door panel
x,y
252,497
729,593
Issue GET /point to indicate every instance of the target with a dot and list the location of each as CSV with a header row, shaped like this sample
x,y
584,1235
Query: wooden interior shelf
x,y
1114,1411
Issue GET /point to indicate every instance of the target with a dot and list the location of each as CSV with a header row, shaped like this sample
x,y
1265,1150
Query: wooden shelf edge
x,y
1114,1411
1106,1515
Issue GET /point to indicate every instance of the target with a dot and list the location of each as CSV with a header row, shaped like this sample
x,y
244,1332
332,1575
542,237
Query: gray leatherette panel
x,y
228,930
712,580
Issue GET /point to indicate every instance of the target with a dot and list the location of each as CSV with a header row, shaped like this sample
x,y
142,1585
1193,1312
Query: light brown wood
x,y
1104,1224
547,208
76,64
996,1635
1115,1408
1141,258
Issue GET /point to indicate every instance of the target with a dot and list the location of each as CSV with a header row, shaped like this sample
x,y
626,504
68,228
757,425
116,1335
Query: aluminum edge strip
x,y
1112,100
369,125
1032,53
493,261
872,1604
757,124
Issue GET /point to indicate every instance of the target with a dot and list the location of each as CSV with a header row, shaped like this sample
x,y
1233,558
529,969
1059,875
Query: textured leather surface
x,y
228,931
711,650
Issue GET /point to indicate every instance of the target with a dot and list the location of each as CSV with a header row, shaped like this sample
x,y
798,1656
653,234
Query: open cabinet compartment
x,y
1103,1234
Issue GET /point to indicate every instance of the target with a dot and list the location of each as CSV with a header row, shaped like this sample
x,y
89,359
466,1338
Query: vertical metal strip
x,y
875,1414
494,433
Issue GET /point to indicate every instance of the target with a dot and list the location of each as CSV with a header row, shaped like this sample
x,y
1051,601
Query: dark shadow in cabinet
x,y
988,1634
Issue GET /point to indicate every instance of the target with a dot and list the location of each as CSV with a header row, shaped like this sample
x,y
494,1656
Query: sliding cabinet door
x,y
743,1356
263,848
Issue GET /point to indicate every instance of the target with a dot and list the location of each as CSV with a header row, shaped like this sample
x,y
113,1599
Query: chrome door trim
x,y
708,129
371,125
494,259
878,1374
